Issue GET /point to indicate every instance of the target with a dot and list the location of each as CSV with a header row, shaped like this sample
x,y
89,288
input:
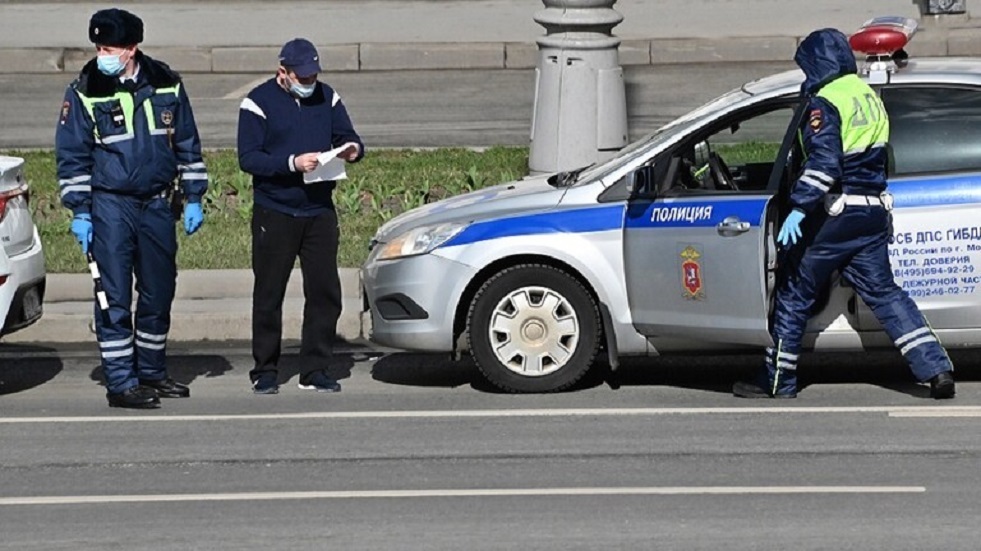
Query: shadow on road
x,y
18,375
430,370
183,369
708,373
885,369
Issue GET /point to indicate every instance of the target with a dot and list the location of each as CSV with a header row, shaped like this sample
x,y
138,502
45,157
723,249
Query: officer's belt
x,y
835,203
863,201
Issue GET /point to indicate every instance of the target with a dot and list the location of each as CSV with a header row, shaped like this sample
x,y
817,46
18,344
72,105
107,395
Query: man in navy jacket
x,y
284,124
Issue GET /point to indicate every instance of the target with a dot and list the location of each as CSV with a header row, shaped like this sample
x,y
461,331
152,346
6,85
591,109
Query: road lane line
x,y
512,492
967,412
147,417
241,91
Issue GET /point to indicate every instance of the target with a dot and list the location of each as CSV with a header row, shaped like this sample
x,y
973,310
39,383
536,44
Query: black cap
x,y
300,56
115,27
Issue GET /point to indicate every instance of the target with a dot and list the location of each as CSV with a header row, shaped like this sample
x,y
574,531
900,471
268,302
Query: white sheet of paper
x,y
330,168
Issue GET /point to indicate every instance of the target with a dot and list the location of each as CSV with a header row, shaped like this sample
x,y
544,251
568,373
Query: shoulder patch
x,y
65,108
814,121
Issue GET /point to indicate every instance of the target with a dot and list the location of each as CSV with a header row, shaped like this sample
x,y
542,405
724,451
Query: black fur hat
x,y
115,27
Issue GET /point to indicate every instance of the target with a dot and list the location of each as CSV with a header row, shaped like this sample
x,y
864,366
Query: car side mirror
x,y
640,181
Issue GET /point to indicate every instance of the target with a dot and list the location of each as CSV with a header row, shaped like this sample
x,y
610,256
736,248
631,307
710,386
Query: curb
x,y
211,305
387,56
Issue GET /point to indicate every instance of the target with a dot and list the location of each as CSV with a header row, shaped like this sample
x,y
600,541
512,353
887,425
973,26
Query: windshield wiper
x,y
567,178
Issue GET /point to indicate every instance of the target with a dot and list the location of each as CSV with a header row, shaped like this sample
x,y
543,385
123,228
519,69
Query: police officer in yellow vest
x,y
841,221
125,133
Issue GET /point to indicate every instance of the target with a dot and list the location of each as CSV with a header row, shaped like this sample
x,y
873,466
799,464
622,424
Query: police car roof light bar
x,y
882,40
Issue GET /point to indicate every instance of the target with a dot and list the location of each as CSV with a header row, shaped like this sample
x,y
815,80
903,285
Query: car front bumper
x,y
413,300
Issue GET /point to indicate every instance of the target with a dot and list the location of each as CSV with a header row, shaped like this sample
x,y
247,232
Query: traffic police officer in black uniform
x,y
841,216
125,133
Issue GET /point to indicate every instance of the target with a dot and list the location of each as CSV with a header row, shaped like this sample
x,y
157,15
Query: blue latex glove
x,y
82,228
790,231
193,217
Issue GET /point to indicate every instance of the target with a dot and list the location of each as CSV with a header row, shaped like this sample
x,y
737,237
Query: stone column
x,y
580,113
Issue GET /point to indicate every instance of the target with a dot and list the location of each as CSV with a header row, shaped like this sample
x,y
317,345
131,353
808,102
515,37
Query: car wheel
x,y
533,328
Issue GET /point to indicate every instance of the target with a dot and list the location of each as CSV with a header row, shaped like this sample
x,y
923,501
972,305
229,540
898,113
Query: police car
x,y
22,273
669,247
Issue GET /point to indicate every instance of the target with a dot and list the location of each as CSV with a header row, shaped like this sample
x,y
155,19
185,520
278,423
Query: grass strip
x,y
384,184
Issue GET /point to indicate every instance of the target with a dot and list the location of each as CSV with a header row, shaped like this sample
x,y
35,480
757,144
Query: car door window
x,y
736,154
933,129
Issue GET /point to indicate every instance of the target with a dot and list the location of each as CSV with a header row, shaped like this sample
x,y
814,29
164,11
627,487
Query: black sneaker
x,y
265,383
319,381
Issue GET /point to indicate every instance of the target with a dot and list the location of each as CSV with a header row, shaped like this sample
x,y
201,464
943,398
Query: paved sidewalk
x,y
210,305
370,35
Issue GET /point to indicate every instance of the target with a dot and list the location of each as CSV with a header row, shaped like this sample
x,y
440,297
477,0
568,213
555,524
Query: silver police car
x,y
669,246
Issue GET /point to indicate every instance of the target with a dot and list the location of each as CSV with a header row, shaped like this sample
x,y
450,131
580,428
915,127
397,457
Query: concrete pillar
x,y
580,113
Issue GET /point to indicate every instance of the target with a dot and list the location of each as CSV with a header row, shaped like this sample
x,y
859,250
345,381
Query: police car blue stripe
x,y
708,212
958,189
564,221
703,213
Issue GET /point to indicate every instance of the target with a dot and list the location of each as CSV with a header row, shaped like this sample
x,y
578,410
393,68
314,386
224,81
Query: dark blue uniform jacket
x,y
826,57
131,139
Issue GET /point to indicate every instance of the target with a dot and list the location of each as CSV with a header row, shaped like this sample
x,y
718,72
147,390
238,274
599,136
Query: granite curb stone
x,y
211,305
387,56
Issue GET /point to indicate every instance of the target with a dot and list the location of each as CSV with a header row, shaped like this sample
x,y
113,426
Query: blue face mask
x,y
110,65
301,90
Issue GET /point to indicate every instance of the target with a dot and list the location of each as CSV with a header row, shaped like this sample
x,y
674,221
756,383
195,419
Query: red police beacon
x,y
882,40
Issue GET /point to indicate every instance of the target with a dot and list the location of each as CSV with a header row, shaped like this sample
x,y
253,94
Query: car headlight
x,y
420,240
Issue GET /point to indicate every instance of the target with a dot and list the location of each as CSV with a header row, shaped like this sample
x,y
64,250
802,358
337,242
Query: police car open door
x,y
699,237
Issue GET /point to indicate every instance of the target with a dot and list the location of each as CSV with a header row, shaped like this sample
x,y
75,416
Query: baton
x,y
100,294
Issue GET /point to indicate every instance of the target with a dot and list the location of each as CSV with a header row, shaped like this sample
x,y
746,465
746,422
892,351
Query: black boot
x,y
743,389
942,386
167,388
137,397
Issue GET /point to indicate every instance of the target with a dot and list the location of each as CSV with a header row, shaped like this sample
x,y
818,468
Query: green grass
x,y
384,184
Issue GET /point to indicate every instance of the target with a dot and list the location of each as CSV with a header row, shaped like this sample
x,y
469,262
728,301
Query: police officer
x,y
125,133
840,220
283,125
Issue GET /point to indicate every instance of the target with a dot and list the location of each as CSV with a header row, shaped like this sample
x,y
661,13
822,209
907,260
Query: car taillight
x,y
6,196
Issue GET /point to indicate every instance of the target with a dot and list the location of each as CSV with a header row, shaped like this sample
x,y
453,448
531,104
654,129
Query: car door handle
x,y
732,225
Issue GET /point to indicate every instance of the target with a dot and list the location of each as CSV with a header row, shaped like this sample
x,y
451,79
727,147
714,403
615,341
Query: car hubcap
x,y
534,331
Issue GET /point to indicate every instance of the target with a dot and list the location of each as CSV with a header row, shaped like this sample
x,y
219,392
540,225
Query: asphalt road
x,y
401,108
418,453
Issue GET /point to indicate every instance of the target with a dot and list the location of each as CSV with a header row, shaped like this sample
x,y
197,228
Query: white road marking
x,y
892,411
241,91
507,492
966,412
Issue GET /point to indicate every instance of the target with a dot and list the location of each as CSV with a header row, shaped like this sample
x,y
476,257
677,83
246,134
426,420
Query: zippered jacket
x,y
129,139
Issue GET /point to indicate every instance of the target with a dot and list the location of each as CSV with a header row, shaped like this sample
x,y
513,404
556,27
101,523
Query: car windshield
x,y
598,170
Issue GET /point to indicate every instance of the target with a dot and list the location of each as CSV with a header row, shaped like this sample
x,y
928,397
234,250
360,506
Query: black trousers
x,y
277,239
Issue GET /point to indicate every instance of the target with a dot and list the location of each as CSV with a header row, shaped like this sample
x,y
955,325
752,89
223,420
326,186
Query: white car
x,y
22,273
669,246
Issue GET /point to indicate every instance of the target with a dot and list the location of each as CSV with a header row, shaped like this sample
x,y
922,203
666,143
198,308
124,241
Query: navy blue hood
x,y
824,56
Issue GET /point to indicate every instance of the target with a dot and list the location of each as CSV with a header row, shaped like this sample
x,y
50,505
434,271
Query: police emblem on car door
x,y
698,247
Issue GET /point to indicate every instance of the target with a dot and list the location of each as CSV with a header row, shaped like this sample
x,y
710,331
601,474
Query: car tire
x,y
533,328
